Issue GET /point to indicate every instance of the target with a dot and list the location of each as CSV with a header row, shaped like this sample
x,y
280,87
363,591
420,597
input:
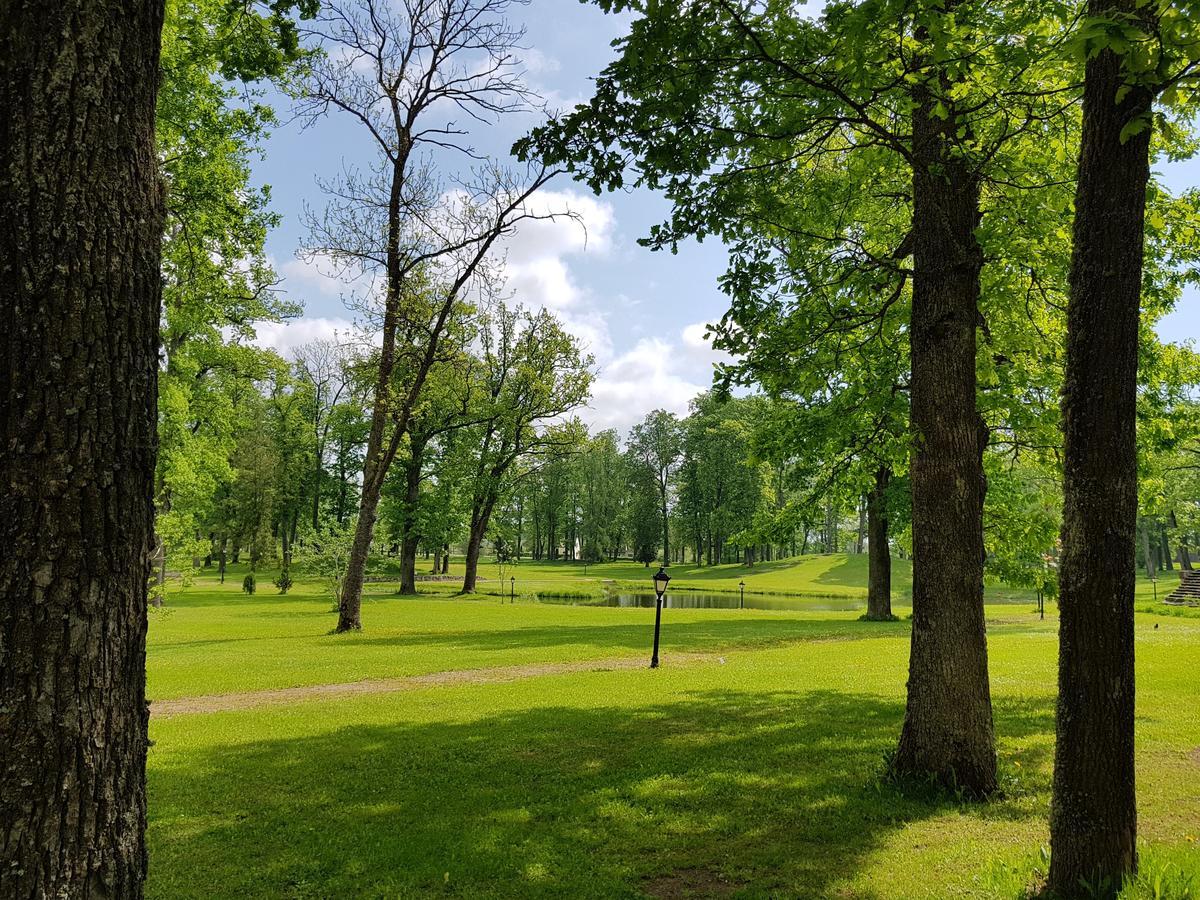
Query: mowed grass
x,y
752,771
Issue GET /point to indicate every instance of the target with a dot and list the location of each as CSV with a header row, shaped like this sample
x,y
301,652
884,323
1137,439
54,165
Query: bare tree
x,y
420,239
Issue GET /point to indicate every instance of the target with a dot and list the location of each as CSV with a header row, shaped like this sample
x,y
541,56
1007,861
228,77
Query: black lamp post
x,y
512,588
1154,582
660,588
742,598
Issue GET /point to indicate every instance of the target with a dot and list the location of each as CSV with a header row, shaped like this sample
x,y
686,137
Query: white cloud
x,y
284,337
643,379
316,273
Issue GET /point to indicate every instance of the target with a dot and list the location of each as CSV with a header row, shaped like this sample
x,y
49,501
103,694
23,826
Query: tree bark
x,y
1093,816
1185,556
879,556
948,732
80,235
474,546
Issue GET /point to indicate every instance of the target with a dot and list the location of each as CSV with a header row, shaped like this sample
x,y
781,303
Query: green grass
x,y
754,773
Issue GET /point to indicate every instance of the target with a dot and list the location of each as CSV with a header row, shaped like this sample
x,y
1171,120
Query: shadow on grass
x,y
771,794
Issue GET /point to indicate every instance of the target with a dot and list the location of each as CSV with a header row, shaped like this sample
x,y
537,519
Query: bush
x,y
248,584
283,582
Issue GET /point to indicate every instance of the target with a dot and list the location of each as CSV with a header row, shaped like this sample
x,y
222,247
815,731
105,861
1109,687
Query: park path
x,y
492,675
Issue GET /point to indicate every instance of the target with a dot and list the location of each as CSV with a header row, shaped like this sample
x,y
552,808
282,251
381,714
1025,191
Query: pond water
x,y
700,600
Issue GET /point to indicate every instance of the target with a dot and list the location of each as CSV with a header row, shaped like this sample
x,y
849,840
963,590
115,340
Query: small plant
x,y
283,582
248,584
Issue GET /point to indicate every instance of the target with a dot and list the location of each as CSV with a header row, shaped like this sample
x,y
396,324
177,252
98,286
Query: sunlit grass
x,y
752,772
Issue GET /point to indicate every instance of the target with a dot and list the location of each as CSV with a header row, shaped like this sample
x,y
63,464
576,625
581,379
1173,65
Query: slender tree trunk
x,y
947,729
1151,568
1185,556
437,560
446,559
412,496
350,607
80,236
221,557
879,556
1093,817
1164,548
862,525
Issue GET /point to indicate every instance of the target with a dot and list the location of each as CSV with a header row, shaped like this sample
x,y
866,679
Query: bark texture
x,y
1093,819
879,556
947,729
80,232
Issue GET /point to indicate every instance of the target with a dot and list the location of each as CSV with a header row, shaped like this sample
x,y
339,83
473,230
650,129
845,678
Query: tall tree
x,y
656,443
80,293
400,73
532,374
1093,820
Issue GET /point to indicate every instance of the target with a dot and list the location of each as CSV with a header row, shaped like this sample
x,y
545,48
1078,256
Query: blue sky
x,y
640,313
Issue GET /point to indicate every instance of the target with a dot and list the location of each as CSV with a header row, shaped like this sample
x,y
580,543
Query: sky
x,y
641,314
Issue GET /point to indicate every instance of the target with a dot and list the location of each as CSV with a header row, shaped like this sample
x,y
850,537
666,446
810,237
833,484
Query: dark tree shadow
x,y
768,794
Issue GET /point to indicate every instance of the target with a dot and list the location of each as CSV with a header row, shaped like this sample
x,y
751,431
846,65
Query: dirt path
x,y
494,675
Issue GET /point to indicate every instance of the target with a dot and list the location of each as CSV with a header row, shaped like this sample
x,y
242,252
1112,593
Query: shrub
x,y
248,584
283,582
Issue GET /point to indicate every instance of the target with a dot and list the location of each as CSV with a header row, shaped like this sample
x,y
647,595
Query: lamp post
x,y
1154,582
660,588
512,588
742,598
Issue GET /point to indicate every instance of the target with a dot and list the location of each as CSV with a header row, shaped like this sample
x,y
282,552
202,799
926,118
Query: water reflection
x,y
698,600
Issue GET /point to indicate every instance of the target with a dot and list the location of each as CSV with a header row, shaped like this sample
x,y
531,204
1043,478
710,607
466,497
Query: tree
x,y
80,244
399,74
532,374
1093,820
656,443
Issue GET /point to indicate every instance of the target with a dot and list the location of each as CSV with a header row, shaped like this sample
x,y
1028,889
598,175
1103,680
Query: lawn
x,y
747,766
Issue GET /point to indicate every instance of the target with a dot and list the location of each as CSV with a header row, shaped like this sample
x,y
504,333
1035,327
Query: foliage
x,y
249,584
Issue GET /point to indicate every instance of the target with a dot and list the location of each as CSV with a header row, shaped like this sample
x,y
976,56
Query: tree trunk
x,y
1164,548
1093,816
947,729
474,545
408,523
437,560
1151,568
80,237
1185,556
879,556
446,559
221,557
860,538
350,607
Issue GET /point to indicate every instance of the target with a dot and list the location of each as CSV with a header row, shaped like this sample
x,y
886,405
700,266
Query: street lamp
x,y
742,599
1154,581
660,588
512,588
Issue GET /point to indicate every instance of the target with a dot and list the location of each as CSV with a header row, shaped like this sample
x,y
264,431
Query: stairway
x,y
1188,592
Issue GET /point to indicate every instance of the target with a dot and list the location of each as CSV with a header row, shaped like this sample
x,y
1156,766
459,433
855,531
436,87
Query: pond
x,y
700,600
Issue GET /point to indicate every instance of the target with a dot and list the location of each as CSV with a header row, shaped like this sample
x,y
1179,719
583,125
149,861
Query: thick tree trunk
x,y
474,547
80,232
879,556
947,729
1093,817
1185,556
